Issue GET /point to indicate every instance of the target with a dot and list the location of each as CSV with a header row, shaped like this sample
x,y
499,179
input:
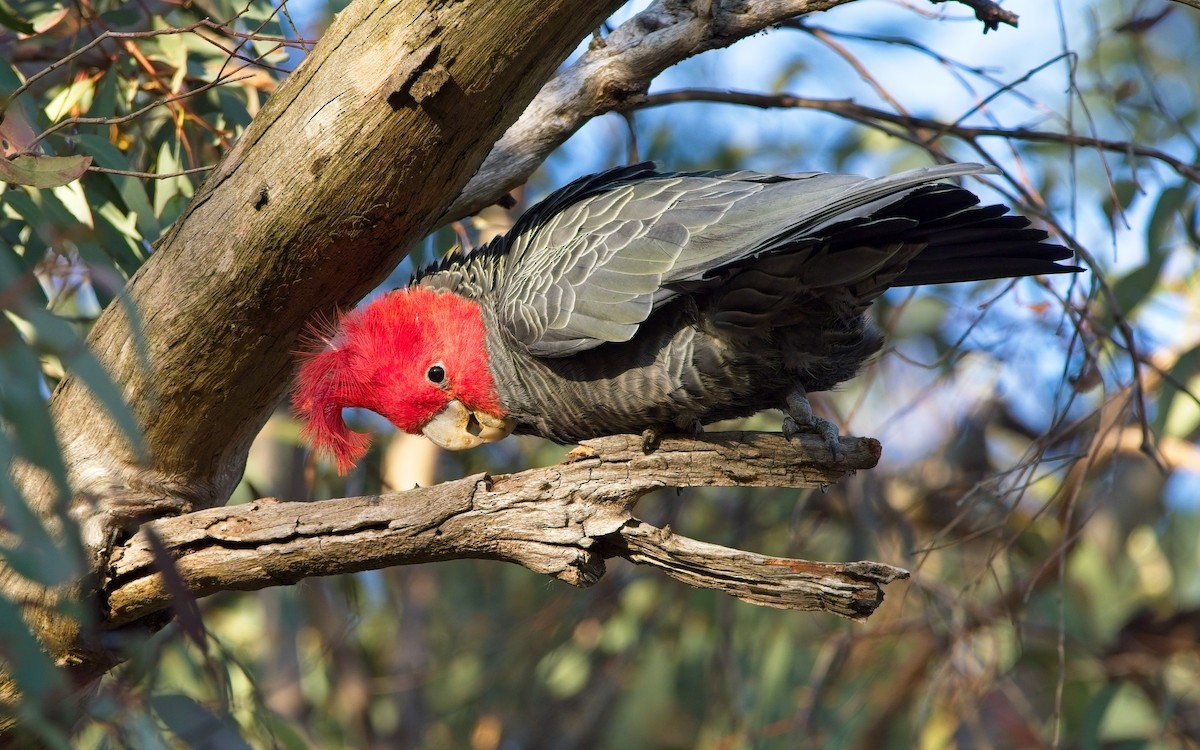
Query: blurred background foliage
x,y
1040,478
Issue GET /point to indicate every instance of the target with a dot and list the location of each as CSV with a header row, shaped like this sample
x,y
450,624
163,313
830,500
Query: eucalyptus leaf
x,y
11,19
104,102
131,189
43,171
23,656
1166,213
23,404
197,726
36,555
16,133
56,336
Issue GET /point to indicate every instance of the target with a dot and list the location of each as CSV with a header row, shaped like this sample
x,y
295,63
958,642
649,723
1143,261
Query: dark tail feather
x,y
968,242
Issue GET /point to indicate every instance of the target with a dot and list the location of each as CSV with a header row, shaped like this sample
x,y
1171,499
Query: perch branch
x,y
562,521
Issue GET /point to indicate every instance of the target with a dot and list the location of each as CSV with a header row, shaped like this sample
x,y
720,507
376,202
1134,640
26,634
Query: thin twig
x,y
870,115
152,175
101,38
106,35
991,14
139,112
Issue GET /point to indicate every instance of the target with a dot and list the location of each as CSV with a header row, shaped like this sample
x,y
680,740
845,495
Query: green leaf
x,y
1184,371
56,336
121,18
10,19
24,658
37,557
104,102
1133,288
23,404
43,171
47,729
16,134
131,189
1089,738
121,242
195,725
1123,193
283,734
11,259
1166,211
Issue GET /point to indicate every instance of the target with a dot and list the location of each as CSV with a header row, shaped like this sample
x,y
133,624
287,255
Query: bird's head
x,y
415,356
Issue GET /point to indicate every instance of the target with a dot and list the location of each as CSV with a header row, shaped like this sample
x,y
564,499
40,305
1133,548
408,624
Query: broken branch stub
x,y
562,520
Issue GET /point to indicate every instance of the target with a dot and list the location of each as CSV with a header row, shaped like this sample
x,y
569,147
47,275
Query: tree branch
x,y
929,130
613,70
620,67
562,521
991,14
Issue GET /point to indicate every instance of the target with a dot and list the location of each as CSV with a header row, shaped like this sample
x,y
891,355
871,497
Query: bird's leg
x,y
801,418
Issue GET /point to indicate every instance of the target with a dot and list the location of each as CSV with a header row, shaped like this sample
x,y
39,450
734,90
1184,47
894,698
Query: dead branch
x,y
562,521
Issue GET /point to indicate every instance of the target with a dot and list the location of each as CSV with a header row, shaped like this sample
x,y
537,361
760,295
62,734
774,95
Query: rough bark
x,y
349,163
561,521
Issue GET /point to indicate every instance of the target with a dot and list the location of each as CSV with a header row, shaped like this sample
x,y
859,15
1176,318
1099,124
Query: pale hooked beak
x,y
456,427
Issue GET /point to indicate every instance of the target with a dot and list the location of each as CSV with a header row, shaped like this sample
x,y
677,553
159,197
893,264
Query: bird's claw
x,y
651,437
801,419
827,430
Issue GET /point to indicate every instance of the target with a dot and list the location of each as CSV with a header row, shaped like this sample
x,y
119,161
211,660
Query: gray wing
x,y
590,263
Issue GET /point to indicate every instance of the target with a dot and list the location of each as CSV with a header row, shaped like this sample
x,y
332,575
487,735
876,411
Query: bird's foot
x,y
800,418
651,437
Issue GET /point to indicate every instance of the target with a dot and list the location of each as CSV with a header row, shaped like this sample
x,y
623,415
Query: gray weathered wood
x,y
562,520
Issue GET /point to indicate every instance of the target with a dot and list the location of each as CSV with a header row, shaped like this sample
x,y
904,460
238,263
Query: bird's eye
x,y
436,374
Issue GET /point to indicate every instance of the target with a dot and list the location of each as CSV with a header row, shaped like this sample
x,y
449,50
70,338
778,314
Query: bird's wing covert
x,y
590,263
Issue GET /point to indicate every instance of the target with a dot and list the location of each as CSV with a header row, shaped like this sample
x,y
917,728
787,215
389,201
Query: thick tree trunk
x,y
349,163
